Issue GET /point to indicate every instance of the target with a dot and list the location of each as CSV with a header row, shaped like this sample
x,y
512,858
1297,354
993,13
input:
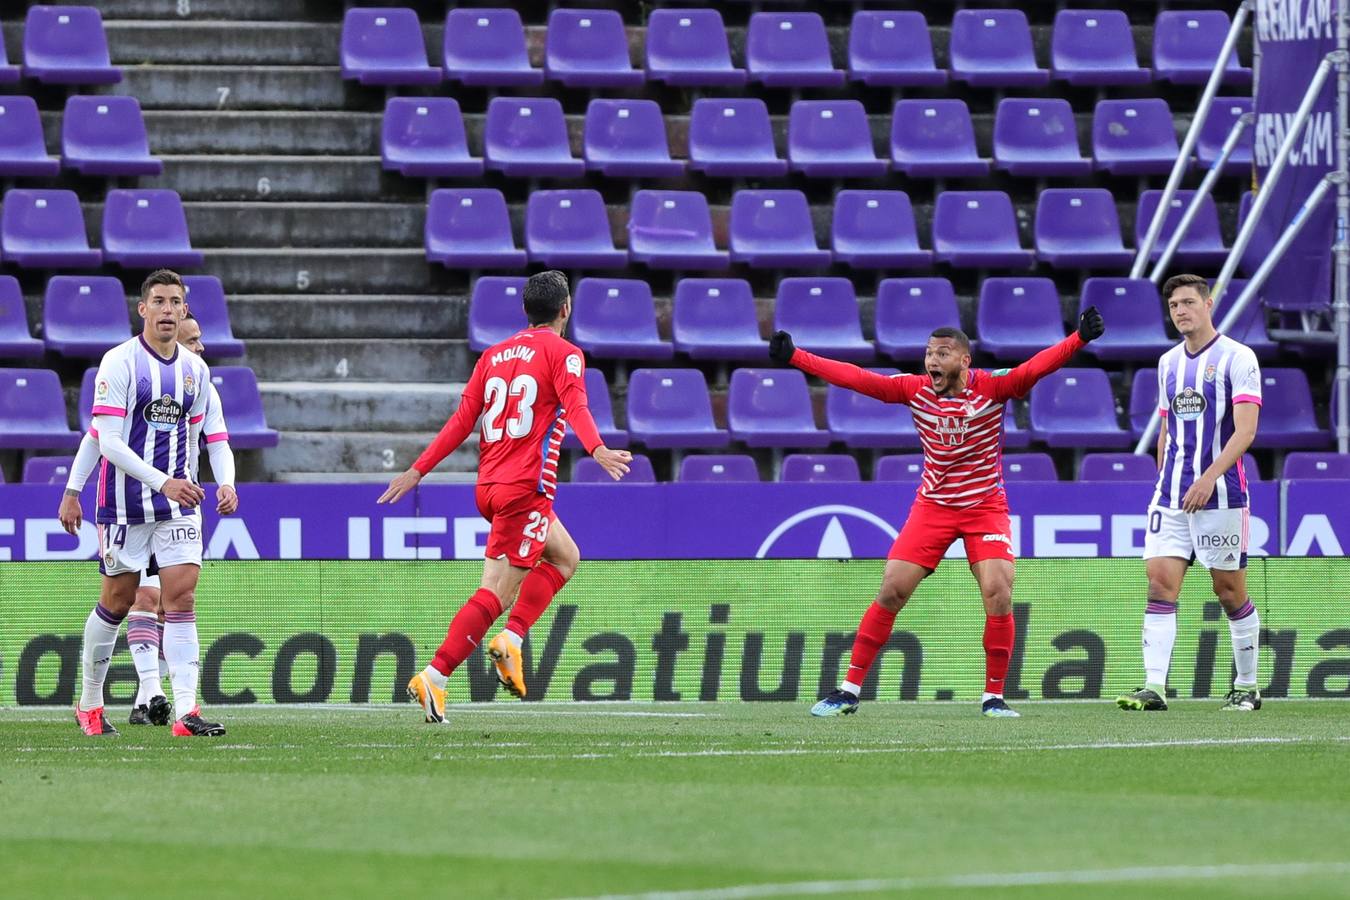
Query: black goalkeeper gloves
x,y
1090,324
781,347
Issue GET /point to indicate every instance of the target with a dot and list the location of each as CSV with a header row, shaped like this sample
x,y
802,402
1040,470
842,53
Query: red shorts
x,y
520,518
932,528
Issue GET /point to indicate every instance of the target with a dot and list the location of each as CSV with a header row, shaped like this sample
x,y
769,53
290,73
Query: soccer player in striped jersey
x,y
958,412
1209,393
528,389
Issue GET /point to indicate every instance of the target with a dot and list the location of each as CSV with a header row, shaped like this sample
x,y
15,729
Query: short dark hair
x,y
161,276
189,317
545,294
955,334
1182,281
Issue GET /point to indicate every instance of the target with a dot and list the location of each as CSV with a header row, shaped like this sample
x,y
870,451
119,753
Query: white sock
x,y
181,649
436,677
851,688
143,642
1244,627
988,696
1160,633
515,639
100,635
163,663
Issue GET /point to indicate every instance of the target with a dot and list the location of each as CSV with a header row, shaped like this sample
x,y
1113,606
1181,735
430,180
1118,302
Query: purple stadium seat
x,y
992,48
239,397
106,136
1134,137
602,410
1014,435
1250,328
899,467
527,136
1029,467
616,318
1287,416
832,139
570,228
1074,408
1143,400
733,138
1203,244
84,316
1186,44
822,315
1214,132
1018,317
876,230
975,229
589,48
1078,228
1094,47
627,139
892,49
1316,465
688,48
715,318
33,411
487,47
773,229
424,137
673,230
45,229
670,408
1142,467
1135,312
909,310
47,469
1250,469
147,229
935,139
15,341
819,467
9,73
587,471
85,410
23,151
495,311
790,50
206,299
470,228
718,468
772,408
1037,138
67,45
384,46
862,421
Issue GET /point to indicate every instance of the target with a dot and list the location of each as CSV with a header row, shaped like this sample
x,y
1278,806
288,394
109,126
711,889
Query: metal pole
x,y
1341,249
1206,186
1188,143
1286,150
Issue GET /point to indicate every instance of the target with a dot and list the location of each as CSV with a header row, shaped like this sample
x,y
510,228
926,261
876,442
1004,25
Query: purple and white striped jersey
x,y
157,399
1196,395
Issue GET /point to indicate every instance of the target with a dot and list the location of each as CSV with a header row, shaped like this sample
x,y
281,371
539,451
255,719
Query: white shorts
x,y
1217,538
150,581
127,548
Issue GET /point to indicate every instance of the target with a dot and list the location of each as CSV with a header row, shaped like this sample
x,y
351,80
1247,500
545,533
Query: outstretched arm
x,y
1018,381
889,388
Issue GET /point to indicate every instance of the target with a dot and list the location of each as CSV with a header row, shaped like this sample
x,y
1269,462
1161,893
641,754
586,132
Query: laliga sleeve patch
x,y
101,390
573,363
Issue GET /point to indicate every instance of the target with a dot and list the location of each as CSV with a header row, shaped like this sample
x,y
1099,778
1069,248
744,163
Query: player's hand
x,y
400,486
781,347
1090,324
227,501
183,492
70,514
1198,495
615,462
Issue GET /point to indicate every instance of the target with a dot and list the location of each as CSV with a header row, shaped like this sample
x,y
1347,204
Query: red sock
x,y
536,593
999,633
873,632
466,630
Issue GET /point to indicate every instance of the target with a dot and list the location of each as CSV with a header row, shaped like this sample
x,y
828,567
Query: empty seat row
x,y
99,136
142,229
589,48
733,138
62,45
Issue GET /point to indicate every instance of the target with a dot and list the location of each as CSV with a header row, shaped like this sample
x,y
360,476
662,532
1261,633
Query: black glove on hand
x,y
1090,324
781,347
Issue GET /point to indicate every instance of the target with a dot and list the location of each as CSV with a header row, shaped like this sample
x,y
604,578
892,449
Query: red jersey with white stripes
x,y
527,389
962,434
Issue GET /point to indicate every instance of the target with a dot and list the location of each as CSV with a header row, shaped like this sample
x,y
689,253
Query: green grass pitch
x,y
718,800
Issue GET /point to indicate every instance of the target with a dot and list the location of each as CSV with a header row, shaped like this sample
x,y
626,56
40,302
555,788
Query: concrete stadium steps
x,y
355,317
380,359
378,406
367,451
440,476
254,132
193,11
285,224
235,41
330,270
210,177
243,87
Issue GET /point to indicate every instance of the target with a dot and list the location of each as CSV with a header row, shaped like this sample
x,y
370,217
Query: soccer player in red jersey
x,y
958,412
528,389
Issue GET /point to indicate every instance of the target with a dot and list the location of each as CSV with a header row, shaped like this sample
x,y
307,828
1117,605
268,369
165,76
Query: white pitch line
x,y
992,880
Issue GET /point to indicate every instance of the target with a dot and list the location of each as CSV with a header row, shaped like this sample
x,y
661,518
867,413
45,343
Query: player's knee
x,y
1159,589
892,597
146,601
998,599
180,601
566,565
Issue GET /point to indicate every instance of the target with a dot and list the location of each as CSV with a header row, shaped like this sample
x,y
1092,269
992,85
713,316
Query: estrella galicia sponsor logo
x,y
163,414
1188,405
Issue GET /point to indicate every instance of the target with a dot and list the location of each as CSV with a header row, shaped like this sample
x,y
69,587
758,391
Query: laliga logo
x,y
834,542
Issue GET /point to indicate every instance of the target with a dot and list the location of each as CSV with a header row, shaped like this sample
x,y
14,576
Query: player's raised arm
x,y
458,427
1021,379
569,381
840,374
